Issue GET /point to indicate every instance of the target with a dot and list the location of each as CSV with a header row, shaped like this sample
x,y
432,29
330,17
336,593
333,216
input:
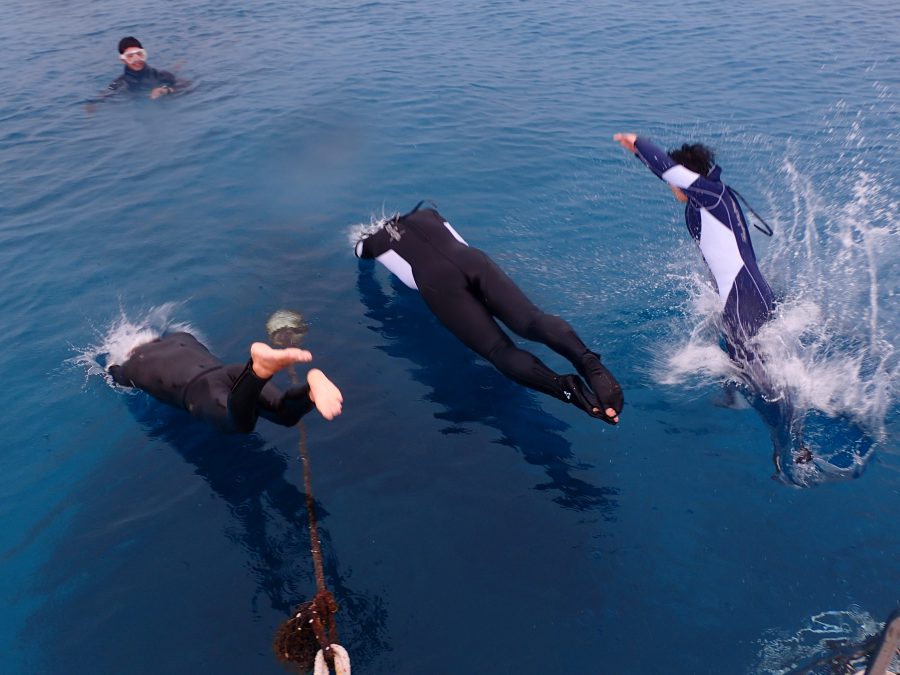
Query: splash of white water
x,y
823,634
830,345
360,230
115,342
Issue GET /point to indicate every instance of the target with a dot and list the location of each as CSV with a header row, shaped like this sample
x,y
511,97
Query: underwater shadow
x,y
268,519
808,447
472,391
270,513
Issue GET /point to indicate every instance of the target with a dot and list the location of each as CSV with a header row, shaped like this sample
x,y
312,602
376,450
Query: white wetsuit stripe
x,y
680,176
399,267
720,250
455,233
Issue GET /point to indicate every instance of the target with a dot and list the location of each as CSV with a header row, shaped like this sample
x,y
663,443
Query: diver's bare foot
x,y
268,361
324,394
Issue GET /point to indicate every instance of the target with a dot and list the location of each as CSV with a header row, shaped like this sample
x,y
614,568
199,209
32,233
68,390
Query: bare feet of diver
x,y
268,361
325,394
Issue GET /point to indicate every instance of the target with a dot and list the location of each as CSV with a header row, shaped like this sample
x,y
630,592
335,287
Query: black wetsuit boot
x,y
605,386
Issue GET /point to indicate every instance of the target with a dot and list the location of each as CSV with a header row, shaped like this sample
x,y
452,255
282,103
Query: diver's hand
x,y
161,91
324,394
626,141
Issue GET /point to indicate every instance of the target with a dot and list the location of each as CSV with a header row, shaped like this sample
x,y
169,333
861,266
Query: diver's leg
x,y
470,321
245,398
284,407
508,303
267,360
748,307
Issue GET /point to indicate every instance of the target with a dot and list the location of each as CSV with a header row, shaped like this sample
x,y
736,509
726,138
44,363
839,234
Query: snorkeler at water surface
x,y
177,369
138,77
467,292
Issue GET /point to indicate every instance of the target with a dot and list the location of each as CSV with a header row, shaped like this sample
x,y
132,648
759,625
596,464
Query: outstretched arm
x,y
705,191
324,394
656,159
114,87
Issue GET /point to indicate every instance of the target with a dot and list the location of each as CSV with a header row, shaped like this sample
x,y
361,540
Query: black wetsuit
x,y
145,79
466,290
180,371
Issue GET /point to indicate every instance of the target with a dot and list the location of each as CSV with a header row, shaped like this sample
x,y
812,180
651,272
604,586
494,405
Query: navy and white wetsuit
x,y
717,224
145,79
466,290
177,369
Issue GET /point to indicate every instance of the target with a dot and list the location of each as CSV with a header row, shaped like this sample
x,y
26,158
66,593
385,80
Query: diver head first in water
x,y
716,223
179,370
469,293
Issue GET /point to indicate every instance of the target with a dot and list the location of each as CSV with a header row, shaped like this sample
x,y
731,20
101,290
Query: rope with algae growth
x,y
307,640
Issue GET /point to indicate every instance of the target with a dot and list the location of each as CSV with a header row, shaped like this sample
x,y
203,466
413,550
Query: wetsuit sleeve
x,y
695,186
374,245
116,84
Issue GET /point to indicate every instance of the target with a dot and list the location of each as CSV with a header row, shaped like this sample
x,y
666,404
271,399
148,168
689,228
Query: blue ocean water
x,y
468,525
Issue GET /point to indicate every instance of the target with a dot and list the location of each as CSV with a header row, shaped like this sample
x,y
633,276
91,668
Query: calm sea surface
x,y
469,525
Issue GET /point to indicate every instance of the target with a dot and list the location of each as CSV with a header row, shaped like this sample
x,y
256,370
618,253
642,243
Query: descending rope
x,y
308,639
310,506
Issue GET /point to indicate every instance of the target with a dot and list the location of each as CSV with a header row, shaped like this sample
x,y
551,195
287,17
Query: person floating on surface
x,y
177,369
138,77
467,292
716,222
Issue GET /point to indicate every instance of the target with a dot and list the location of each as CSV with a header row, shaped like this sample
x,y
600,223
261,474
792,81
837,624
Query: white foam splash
x,y
700,359
115,342
781,653
360,230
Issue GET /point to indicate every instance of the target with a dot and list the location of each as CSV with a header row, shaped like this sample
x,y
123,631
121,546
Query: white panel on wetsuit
x,y
720,250
399,267
680,176
455,233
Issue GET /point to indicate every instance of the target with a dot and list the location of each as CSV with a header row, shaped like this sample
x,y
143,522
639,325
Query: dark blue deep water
x,y
469,525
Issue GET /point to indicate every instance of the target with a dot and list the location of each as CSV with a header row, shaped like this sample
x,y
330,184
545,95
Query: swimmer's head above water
x,y
132,53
